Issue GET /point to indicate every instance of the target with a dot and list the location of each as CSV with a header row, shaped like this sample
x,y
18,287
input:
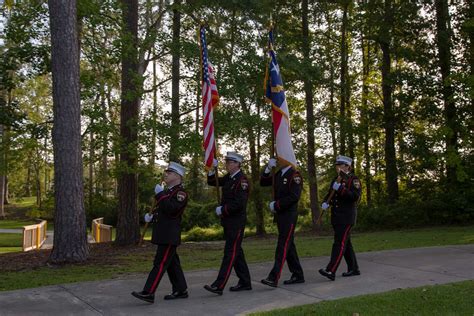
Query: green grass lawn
x,y
15,224
23,202
10,249
447,299
209,255
10,242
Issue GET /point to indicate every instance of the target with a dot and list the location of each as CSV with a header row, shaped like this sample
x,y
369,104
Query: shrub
x,y
199,215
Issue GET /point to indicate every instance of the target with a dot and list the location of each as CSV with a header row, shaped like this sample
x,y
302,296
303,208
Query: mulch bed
x,y
99,254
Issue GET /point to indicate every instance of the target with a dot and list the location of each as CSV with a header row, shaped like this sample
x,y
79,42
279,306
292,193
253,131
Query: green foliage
x,y
45,211
237,37
204,234
425,204
199,215
105,207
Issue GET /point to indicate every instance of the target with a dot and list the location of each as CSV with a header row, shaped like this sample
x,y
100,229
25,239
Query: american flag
x,y
210,99
275,94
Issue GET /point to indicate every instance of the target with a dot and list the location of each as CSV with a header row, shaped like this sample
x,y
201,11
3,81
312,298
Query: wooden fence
x,y
34,236
100,231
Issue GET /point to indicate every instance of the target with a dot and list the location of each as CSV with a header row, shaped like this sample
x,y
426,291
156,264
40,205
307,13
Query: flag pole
x,y
216,171
267,77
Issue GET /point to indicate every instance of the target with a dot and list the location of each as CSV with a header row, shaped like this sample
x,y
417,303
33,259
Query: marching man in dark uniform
x,y
287,186
233,213
347,191
167,215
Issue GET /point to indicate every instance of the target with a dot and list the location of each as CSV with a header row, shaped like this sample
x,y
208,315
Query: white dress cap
x,y
343,160
232,155
176,168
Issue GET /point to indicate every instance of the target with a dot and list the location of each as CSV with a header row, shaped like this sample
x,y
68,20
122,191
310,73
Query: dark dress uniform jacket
x,y
344,201
168,215
287,191
235,191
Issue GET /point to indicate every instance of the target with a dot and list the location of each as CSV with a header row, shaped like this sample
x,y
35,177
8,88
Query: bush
x,y
416,209
199,215
46,211
102,206
210,233
204,234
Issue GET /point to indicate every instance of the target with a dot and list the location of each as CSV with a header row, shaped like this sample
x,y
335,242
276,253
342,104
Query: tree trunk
x,y
195,186
174,154
128,229
344,79
6,149
259,206
391,173
365,119
332,105
28,181
308,89
6,200
46,170
443,41
255,173
2,196
70,236
37,178
104,179
91,165
2,173
154,115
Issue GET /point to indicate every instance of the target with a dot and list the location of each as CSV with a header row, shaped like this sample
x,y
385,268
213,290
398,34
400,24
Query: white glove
x,y
271,205
158,188
211,172
336,185
148,217
214,166
325,206
272,163
219,210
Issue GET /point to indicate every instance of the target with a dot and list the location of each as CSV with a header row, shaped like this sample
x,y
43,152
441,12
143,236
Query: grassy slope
x,y
447,299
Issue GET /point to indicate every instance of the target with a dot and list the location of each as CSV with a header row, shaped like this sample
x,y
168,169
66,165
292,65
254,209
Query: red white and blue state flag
x,y
275,94
210,99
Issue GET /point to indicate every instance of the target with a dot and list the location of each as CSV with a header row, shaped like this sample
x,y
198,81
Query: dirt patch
x,y
99,254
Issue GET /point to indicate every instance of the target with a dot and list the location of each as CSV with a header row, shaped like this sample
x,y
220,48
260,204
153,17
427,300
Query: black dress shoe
x,y
240,287
213,289
269,282
176,295
351,273
144,296
293,280
327,274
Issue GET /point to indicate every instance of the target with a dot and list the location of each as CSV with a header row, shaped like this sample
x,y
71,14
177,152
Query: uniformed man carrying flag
x,y
233,213
287,186
167,215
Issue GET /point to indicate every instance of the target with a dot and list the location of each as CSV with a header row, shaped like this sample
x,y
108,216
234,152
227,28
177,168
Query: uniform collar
x,y
234,174
174,186
285,169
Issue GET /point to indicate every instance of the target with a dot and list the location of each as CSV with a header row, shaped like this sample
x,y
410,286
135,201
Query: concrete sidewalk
x,y
11,231
381,271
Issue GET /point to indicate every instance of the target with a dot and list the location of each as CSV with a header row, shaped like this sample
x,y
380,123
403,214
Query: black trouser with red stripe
x,y
166,259
233,257
286,251
342,247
